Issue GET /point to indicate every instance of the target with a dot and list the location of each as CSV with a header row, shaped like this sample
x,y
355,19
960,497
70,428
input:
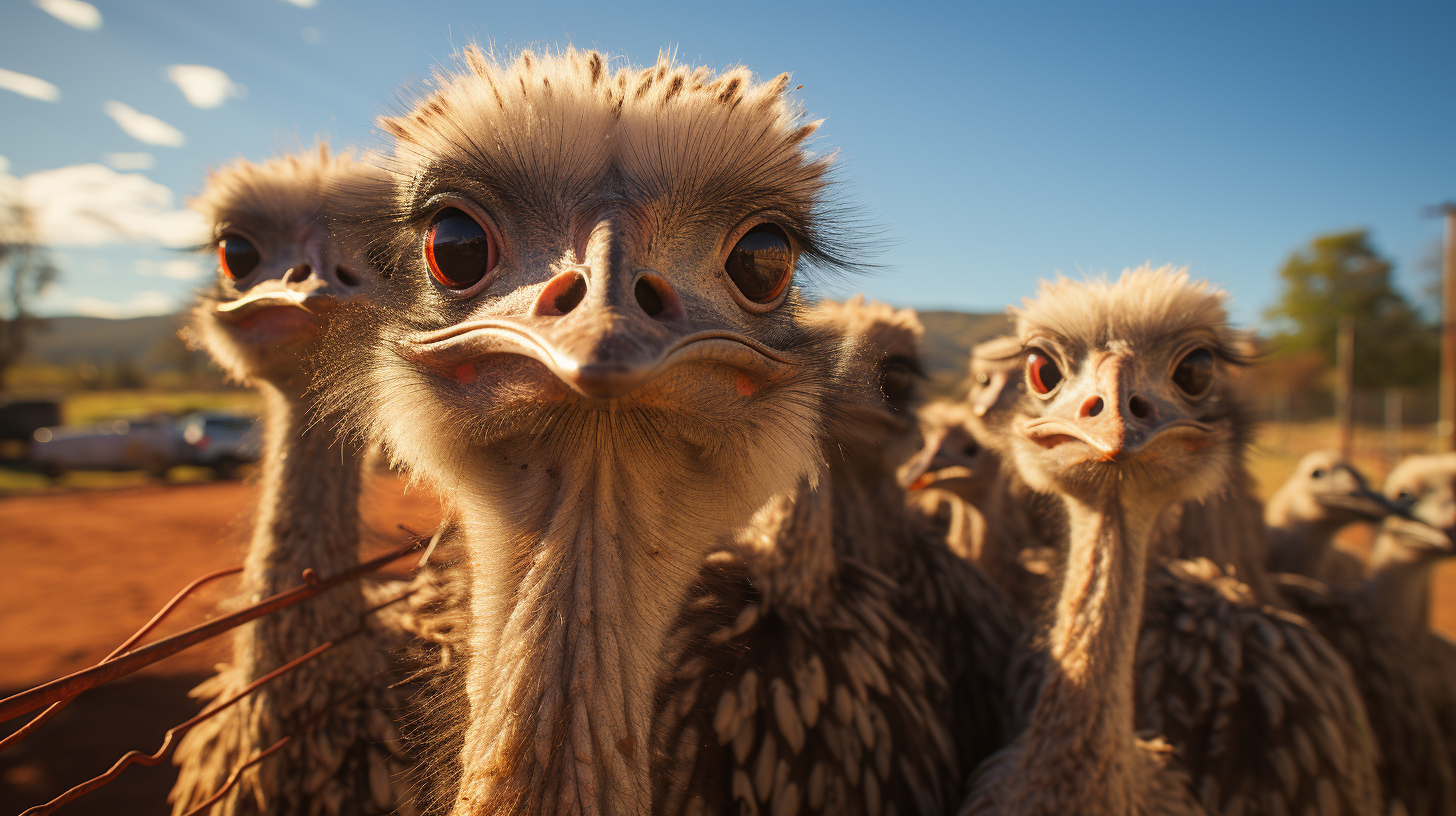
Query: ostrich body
x,y
280,275
1324,495
592,348
842,632
1129,415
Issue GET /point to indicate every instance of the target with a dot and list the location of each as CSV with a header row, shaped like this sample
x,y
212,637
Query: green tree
x,y
25,270
1342,276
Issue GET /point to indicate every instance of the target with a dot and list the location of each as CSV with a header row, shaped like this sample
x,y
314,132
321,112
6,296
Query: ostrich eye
x,y
897,381
1194,373
458,250
1319,473
236,256
761,263
1041,373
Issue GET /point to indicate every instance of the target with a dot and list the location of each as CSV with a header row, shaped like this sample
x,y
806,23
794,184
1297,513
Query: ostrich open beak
x,y
310,296
1358,498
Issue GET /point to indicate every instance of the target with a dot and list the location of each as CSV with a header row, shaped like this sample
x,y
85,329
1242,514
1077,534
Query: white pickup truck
x,y
217,440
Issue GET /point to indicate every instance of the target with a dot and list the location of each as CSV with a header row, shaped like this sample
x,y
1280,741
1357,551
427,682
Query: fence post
x,y
1345,387
1393,422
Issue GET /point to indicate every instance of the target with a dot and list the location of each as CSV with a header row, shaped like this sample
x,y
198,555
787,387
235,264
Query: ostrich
x,y
1014,532
1324,495
824,688
1129,412
1398,588
280,275
1403,671
950,474
593,347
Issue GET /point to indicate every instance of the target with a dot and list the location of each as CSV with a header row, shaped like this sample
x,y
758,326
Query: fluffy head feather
x,y
1140,308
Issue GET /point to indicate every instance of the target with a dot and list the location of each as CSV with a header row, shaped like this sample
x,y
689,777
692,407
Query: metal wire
x,y
130,662
40,719
174,733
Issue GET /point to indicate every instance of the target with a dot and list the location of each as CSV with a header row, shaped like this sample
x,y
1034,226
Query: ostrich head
x,y
1424,488
1326,488
956,457
874,428
587,260
1128,388
280,271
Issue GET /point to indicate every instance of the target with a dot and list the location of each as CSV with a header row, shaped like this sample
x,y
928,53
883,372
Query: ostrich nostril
x,y
1092,407
298,274
345,276
656,297
1141,408
571,296
648,298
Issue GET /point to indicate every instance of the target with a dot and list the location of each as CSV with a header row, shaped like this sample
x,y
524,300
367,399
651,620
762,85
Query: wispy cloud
x,y
205,86
130,161
27,85
92,205
176,269
72,12
303,3
141,304
144,127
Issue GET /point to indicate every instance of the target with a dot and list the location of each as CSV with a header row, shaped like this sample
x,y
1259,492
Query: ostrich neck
x,y
1399,589
307,518
579,564
1300,545
1083,718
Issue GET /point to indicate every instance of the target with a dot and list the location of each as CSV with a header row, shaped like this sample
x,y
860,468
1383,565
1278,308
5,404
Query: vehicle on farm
x,y
217,440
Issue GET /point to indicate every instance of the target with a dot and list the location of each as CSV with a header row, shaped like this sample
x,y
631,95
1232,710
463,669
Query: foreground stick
x,y
280,275
591,348
1129,413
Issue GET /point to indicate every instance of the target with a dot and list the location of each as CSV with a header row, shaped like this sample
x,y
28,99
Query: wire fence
x,y
50,697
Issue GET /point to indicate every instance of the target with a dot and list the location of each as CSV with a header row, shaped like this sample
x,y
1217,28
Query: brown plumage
x,y
600,365
1129,413
280,275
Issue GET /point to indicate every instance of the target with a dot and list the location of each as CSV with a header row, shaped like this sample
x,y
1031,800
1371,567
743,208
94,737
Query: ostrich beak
x,y
1358,498
915,474
602,346
308,300
1419,534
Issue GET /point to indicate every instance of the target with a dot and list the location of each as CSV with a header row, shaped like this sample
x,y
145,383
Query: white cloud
x,y
92,205
72,12
144,127
205,86
141,304
176,269
130,161
4,165
303,3
27,85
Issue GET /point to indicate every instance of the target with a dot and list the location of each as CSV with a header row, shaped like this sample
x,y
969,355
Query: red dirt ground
x,y
84,569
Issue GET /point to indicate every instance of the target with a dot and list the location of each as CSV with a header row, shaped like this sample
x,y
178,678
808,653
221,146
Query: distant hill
x,y
148,342
948,340
151,344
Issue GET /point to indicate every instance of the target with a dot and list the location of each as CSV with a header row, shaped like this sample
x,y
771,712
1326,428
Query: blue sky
x,y
989,144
